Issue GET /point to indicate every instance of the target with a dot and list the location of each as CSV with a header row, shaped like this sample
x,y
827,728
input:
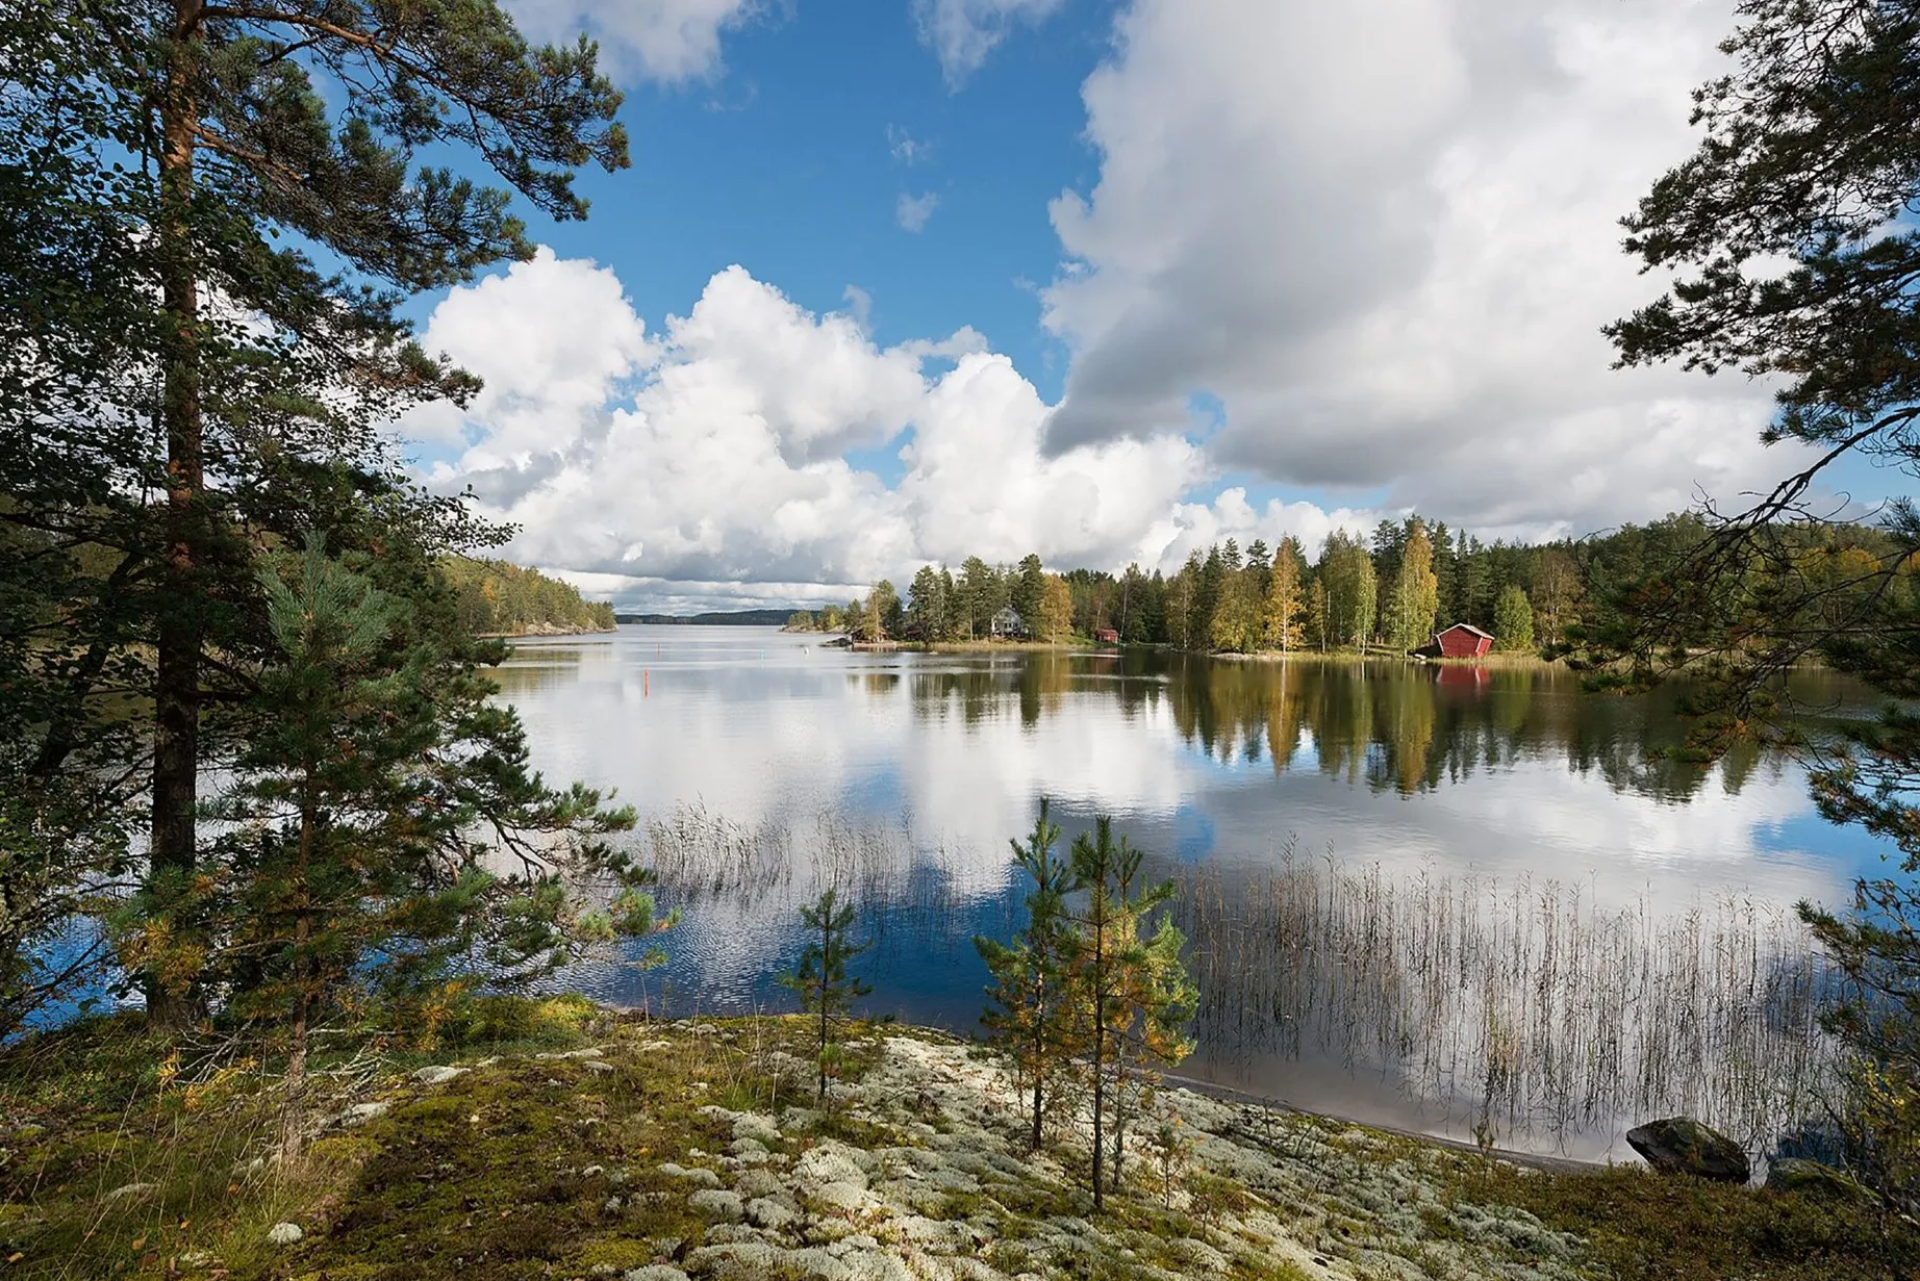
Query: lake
x,y
1429,897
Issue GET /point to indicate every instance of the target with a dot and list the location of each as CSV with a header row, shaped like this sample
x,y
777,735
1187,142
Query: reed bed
x,y
898,885
1521,1007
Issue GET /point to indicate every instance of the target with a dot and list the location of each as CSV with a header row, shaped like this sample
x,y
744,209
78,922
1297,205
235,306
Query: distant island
x,y
497,598
734,618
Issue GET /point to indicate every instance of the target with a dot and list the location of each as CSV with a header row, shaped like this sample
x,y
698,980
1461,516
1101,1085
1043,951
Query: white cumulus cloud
x,y
669,41
709,463
1384,235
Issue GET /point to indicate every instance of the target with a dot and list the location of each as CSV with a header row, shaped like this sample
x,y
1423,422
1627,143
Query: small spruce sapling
x,y
821,980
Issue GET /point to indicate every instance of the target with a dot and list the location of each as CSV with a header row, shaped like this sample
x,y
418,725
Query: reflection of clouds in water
x,y
760,728
977,789
1535,817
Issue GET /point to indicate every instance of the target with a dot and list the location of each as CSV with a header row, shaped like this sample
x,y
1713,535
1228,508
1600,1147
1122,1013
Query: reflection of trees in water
x,y
876,683
1035,683
1518,1003
1409,727
540,668
1392,725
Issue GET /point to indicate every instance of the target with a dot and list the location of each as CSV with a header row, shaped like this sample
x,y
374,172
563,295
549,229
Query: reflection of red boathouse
x,y
1463,679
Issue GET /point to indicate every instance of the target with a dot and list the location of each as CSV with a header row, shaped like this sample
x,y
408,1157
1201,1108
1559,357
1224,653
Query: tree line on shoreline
x,y
1390,591
499,598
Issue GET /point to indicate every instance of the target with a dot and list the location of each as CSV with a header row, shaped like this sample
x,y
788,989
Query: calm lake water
x,y
1421,897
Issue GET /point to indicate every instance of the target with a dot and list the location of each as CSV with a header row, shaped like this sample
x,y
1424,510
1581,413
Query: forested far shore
x,y
497,598
716,618
1389,590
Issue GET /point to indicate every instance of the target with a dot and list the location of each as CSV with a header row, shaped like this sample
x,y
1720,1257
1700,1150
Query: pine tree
x,y
254,171
1475,602
1029,1014
1207,589
1130,996
984,591
926,606
1157,1000
357,825
1182,594
1787,239
952,609
821,980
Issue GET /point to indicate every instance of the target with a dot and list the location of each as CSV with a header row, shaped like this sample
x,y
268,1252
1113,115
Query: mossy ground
x,y
1640,1226
578,1145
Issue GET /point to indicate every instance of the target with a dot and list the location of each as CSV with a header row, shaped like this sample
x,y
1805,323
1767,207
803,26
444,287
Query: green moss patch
x,y
1642,1226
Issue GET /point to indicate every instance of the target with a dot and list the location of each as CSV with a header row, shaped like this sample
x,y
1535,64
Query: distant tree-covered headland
x,y
712,618
1389,591
496,598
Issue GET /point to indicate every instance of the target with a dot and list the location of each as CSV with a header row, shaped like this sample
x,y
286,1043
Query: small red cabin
x,y
1106,636
1462,640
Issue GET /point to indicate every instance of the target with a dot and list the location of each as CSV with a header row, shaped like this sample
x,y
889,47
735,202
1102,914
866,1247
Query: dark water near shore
x,y
1423,897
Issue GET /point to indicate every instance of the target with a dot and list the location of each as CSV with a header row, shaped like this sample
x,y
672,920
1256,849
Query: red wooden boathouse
x,y
1462,640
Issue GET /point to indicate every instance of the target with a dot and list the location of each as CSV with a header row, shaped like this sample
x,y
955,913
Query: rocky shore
x,y
915,1169
549,629
694,1150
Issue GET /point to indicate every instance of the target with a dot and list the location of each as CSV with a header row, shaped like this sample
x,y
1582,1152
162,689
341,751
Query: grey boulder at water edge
x,y
1681,1145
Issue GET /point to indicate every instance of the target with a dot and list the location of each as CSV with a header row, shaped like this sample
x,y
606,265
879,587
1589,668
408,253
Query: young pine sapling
x,y
821,980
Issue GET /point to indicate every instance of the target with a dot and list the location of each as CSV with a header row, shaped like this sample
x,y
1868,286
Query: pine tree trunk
x,y
176,694
1099,1055
293,1135
1039,1067
826,949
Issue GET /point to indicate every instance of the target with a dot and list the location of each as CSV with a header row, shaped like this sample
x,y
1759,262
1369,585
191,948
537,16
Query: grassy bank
x,y
562,1141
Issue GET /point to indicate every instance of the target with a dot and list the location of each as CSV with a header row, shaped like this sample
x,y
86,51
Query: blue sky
x,y
793,160
903,281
